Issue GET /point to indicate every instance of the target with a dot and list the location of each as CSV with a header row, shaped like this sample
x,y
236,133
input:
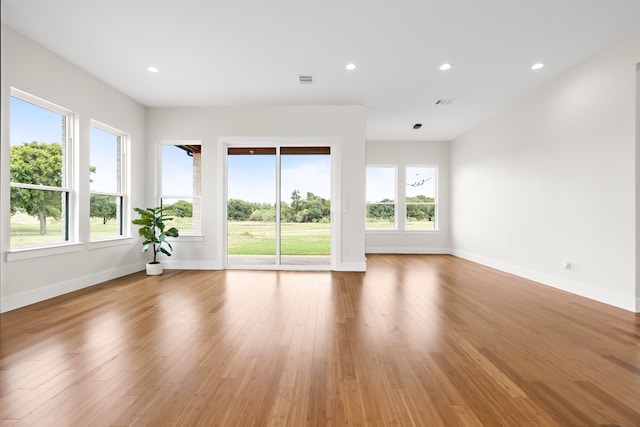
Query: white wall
x,y
212,125
552,179
638,188
401,154
33,69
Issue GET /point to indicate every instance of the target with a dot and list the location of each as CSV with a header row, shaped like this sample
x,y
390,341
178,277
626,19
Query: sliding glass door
x,y
251,206
278,206
305,205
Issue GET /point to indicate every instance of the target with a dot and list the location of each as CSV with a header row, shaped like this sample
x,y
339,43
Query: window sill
x,y
417,232
107,243
29,253
187,238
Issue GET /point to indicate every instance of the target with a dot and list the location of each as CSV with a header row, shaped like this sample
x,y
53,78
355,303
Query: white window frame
x,y
401,200
435,199
68,175
123,216
396,202
160,192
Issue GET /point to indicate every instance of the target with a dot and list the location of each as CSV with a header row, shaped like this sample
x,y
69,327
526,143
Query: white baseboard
x,y
208,265
615,299
407,250
23,299
352,266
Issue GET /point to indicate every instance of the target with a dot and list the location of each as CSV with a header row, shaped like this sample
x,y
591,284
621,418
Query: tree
x,y
423,211
287,214
384,209
238,210
296,201
313,210
38,164
101,206
182,209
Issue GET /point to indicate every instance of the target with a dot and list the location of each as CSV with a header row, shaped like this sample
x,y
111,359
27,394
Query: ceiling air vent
x,y
444,101
305,79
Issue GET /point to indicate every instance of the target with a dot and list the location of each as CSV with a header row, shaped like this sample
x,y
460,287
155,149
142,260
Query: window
x,y
402,199
420,198
381,198
107,200
40,171
181,185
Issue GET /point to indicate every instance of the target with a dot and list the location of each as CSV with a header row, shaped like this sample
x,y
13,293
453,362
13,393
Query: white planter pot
x,y
154,269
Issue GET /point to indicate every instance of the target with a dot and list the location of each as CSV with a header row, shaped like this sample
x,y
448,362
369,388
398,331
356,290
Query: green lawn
x,y
25,231
259,238
245,238
29,234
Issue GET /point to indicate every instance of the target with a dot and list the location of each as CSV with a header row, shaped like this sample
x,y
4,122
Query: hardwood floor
x,y
416,341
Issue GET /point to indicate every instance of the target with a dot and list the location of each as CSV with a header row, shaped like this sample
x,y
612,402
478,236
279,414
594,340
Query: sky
x,y
30,123
420,180
381,182
253,177
250,177
177,172
104,157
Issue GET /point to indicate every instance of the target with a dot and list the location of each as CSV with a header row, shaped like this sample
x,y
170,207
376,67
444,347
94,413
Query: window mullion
x,y
103,193
39,187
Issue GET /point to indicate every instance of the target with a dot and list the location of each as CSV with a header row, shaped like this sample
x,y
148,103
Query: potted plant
x,y
152,228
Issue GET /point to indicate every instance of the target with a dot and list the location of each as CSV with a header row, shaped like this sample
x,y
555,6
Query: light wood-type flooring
x,y
417,340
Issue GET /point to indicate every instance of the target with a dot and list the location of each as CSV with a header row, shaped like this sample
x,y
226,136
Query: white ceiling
x,y
250,52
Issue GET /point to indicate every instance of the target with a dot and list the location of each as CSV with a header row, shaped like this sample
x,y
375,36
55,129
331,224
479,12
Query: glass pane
x,y
181,179
177,171
251,222
381,196
37,217
420,197
36,140
381,216
105,161
182,211
305,209
105,212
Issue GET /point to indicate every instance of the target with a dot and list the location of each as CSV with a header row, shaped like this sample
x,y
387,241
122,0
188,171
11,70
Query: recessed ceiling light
x,y
446,66
537,66
152,69
351,67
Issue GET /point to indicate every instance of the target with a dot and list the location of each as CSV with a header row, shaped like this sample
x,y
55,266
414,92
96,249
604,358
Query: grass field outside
x,y
259,238
25,230
244,238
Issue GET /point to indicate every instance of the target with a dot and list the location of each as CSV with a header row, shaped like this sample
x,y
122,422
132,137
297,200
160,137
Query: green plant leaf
x,y
152,228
